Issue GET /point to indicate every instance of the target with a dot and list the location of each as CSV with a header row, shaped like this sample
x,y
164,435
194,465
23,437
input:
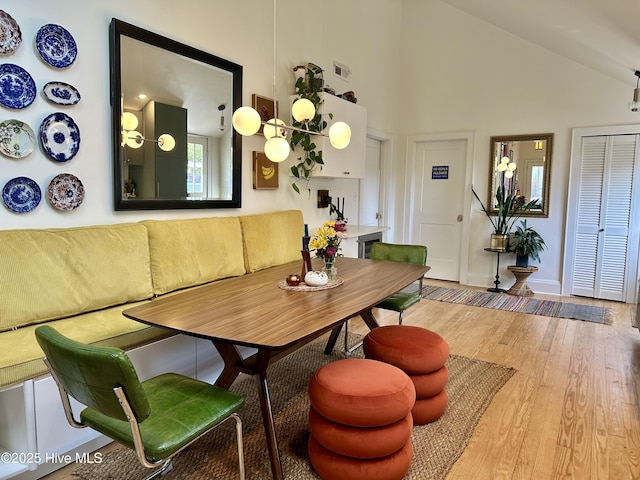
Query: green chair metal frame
x,y
402,300
157,417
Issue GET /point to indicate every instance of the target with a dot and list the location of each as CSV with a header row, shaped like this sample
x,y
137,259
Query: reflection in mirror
x,y
173,146
528,158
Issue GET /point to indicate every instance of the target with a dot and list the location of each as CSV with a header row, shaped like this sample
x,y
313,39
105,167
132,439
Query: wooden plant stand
x,y
520,287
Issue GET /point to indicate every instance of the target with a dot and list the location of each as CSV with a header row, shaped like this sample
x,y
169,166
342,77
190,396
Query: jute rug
x,y
437,446
515,303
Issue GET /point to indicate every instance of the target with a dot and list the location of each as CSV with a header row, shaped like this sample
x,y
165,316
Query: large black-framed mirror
x,y
526,170
174,148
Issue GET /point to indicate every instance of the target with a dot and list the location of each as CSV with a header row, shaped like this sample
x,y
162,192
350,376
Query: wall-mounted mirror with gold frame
x,y
528,158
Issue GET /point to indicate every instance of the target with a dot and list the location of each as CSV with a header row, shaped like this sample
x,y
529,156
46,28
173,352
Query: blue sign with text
x,y
440,172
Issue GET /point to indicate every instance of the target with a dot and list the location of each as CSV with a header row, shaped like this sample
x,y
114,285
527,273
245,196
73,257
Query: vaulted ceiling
x,y
601,34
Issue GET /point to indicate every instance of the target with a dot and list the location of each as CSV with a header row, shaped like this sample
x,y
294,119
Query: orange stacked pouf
x,y
421,354
360,420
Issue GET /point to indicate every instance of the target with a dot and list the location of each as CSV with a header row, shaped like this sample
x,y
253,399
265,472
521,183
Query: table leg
x,y
369,320
267,414
232,360
233,365
333,338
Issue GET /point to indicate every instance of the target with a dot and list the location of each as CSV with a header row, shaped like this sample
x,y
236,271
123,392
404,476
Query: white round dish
x,y
17,88
10,35
56,45
60,137
21,194
17,139
65,192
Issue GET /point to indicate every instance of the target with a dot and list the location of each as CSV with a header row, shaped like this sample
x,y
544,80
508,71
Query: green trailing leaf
x,y
307,88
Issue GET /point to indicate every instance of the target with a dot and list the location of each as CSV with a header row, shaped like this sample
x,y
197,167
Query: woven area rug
x,y
436,447
514,303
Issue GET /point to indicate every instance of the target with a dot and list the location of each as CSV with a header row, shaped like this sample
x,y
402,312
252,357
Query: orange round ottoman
x,y
420,353
360,420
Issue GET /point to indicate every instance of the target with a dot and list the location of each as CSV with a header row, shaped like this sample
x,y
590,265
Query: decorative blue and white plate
x,y
17,140
61,93
60,137
65,192
56,45
21,194
10,35
17,88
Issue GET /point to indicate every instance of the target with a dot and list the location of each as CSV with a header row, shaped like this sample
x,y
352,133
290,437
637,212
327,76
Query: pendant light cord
x,y
275,102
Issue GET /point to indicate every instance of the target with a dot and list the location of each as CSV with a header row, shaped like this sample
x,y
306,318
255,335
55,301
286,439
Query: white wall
x,y
241,31
419,66
461,74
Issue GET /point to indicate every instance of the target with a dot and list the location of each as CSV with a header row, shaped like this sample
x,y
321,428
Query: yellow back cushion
x,y
272,239
185,253
54,273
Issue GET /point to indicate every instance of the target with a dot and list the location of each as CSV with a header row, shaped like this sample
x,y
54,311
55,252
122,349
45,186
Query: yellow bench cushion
x,y
21,357
185,253
55,273
272,239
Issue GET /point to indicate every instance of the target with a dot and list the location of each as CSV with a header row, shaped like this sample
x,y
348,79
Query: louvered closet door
x,y
603,215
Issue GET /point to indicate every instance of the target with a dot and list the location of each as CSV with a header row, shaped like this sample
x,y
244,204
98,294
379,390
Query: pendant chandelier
x,y
247,121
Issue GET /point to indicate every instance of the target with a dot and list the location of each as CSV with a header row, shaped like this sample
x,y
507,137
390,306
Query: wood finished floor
x,y
571,411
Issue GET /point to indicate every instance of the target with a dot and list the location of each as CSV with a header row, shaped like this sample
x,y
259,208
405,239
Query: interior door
x,y
438,196
600,266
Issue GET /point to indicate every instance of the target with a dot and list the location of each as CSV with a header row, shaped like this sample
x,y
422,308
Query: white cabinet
x,y
350,161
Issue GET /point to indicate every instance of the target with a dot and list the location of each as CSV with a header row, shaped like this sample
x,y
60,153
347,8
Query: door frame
x,y
631,283
412,143
386,177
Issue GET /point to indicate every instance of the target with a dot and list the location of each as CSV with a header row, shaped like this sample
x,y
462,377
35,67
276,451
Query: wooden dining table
x,y
254,310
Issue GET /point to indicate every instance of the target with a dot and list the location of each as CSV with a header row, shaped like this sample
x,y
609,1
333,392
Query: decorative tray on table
x,y
303,287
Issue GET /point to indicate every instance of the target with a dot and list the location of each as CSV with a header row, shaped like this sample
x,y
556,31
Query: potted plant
x,y
526,242
509,207
308,86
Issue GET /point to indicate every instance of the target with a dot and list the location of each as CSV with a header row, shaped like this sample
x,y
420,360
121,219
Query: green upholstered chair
x,y
402,300
157,417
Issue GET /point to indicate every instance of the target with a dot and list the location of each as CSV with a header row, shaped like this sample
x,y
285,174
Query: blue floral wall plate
x,y
17,88
17,140
21,194
60,137
10,35
65,192
56,45
61,93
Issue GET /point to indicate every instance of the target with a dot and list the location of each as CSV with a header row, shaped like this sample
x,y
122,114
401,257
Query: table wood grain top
x,y
252,310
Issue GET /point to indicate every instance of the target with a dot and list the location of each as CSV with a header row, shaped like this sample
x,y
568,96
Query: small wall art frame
x,y
265,107
265,172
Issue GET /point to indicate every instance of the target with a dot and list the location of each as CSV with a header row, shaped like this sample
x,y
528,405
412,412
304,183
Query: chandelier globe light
x,y
340,135
303,110
277,149
247,121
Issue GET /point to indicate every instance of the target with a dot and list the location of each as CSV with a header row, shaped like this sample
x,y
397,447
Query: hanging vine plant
x,y
308,86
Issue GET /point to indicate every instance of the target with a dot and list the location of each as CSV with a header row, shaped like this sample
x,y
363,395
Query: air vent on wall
x,y
341,71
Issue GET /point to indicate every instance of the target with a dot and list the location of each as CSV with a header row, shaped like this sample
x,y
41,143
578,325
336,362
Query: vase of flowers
x,y
326,245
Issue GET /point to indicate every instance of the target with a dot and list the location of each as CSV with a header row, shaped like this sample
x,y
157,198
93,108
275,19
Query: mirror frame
x,y
548,137
117,29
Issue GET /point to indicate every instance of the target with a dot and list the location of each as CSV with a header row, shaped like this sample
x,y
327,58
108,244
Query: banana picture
x,y
265,172
268,172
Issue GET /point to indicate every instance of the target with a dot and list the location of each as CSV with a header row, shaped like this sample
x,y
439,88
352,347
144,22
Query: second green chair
x,y
402,300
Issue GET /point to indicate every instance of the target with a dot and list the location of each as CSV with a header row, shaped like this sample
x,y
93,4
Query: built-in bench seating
x,y
79,280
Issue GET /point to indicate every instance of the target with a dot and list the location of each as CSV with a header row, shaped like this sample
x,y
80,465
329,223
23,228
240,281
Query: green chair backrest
x,y
399,253
89,374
